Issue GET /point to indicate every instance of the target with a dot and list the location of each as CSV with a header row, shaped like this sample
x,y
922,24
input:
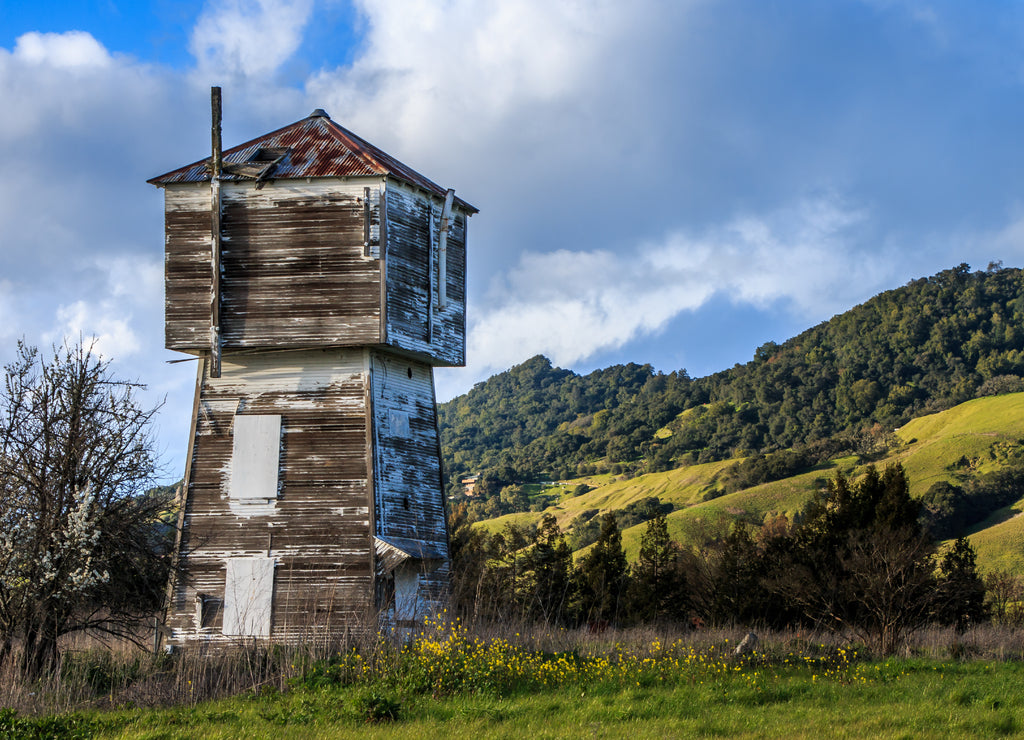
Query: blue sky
x,y
664,181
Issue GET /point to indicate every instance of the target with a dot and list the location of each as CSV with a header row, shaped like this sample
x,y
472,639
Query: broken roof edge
x,y
415,548
394,551
373,161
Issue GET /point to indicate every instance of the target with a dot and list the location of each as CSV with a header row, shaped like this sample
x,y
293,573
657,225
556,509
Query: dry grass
x,y
92,675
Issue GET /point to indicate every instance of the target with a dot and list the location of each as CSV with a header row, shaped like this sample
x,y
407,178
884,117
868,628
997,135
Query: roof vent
x,y
319,113
268,154
259,166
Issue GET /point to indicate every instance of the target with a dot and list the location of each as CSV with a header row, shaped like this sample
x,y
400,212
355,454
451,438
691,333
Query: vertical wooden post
x,y
366,222
442,251
430,275
382,256
180,502
215,209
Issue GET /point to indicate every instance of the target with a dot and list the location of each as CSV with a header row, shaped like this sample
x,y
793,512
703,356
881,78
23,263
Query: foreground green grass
x,y
894,699
451,684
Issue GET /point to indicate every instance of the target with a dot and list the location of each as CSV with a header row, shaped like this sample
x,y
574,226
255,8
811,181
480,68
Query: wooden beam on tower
x,y
217,167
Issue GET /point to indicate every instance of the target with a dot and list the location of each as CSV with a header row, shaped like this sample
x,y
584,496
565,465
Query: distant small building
x,y
469,484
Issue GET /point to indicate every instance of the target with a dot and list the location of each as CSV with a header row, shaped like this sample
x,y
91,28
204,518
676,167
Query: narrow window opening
x,y
385,595
208,610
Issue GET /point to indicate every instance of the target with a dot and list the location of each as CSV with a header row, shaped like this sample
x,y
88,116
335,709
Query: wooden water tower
x,y
318,281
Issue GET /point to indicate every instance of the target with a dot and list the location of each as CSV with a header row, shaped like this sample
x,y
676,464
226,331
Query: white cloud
x,y
248,37
138,279
53,81
124,286
602,136
571,305
71,50
101,322
1006,244
80,231
453,79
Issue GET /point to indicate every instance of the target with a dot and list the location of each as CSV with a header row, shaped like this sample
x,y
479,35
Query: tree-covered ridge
x,y
526,403
927,346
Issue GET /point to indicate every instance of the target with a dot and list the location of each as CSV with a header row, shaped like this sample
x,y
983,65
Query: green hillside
x,y
835,389
681,487
934,443
972,439
999,542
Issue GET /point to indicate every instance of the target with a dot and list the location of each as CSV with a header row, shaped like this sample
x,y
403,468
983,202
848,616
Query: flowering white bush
x,y
80,547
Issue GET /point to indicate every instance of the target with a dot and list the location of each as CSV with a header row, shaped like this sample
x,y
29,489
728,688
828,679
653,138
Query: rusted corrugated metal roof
x,y
316,147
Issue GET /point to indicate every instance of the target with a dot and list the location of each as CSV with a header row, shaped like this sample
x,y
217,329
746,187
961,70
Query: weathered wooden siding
x,y
187,272
296,271
415,321
319,529
295,267
408,494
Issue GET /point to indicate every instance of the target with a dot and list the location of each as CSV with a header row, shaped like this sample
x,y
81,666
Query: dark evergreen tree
x,y
601,577
658,589
550,562
960,593
499,593
888,499
735,572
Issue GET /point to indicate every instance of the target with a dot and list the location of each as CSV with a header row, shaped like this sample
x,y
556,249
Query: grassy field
x,y
919,700
453,685
931,448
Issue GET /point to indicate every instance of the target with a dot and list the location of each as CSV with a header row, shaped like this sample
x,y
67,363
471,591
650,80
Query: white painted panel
x,y
274,190
406,592
255,457
248,594
289,372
